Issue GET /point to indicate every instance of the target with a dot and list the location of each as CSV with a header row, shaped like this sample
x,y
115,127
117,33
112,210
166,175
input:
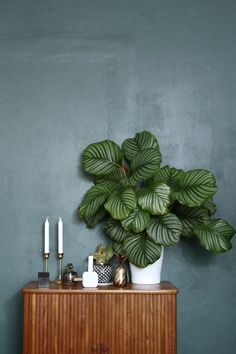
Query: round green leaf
x,y
114,229
141,141
95,198
102,158
210,206
141,250
110,252
190,217
195,187
119,176
215,235
145,164
166,230
136,221
168,175
120,205
155,199
93,220
118,248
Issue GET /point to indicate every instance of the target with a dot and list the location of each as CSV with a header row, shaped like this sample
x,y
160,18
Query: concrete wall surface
x,y
76,72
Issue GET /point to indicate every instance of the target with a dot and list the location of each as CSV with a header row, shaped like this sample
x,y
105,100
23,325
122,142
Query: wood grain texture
x,y
73,321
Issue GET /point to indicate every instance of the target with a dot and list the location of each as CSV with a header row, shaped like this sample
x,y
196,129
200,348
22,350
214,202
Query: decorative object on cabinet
x,y
102,265
90,278
61,320
59,276
46,243
69,274
120,276
147,206
43,280
150,274
60,246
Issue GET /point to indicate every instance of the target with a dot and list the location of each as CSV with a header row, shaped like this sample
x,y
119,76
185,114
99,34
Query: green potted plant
x,y
101,265
147,207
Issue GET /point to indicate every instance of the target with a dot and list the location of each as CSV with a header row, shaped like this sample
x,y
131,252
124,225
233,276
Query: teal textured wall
x,y
76,72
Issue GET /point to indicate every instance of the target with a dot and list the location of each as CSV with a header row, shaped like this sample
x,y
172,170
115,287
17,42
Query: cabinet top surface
x,y
162,288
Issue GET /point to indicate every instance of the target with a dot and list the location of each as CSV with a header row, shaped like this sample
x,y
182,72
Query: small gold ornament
x,y
121,276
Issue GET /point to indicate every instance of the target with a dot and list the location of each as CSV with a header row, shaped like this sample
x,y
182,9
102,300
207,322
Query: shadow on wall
x,y
188,263
14,322
75,217
195,254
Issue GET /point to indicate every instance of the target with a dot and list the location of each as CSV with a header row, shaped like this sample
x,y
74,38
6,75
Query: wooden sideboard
x,y
137,319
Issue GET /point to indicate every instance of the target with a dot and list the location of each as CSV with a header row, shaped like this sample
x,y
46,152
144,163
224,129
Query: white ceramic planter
x,y
148,275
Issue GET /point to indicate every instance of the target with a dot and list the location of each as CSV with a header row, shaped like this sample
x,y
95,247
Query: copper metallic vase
x,y
121,276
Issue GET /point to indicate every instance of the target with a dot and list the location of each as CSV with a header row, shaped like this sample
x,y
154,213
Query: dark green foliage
x,y
149,206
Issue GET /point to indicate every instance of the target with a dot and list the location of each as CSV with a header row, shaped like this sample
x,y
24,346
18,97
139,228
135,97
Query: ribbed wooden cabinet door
x,y
138,324
61,324
104,323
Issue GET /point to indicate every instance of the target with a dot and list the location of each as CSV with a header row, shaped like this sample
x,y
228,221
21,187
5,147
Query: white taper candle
x,y
46,236
60,236
90,264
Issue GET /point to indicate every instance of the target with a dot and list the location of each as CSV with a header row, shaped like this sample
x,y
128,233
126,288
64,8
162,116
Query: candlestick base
x,y
46,256
59,278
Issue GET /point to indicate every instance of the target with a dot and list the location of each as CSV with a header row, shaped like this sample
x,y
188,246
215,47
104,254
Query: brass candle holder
x,y
59,278
46,256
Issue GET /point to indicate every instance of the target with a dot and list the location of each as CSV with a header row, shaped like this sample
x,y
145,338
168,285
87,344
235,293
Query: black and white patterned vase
x,y
104,272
